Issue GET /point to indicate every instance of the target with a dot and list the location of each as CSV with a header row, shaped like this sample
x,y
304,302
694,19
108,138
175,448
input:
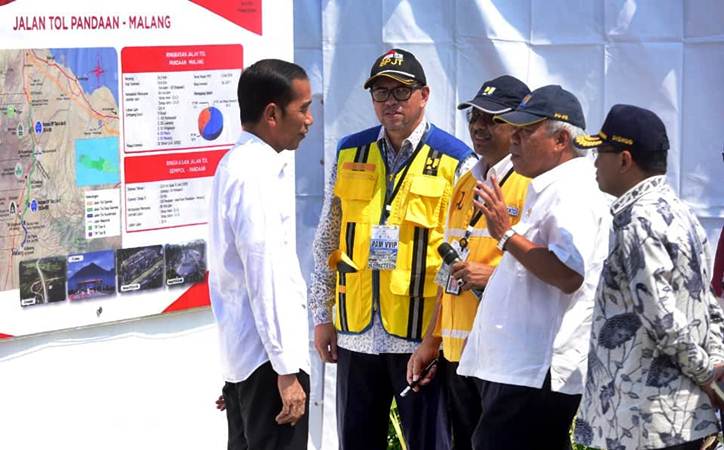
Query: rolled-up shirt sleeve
x,y
258,239
571,235
649,268
326,240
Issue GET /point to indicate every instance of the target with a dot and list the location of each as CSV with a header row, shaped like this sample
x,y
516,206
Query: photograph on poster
x,y
91,275
42,281
139,268
185,263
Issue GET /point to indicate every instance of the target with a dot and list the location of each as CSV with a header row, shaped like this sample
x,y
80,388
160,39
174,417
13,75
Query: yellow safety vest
x,y
458,311
404,296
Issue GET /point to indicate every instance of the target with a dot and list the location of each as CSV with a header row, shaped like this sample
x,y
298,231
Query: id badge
x,y
452,286
383,247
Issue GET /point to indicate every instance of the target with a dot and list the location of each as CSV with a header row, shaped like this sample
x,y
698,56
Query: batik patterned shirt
x,y
657,328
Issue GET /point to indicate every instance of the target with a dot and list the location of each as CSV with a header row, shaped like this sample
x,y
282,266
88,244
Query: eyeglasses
x,y
474,115
400,93
607,149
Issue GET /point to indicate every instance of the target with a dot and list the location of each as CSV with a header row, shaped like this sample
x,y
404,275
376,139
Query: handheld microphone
x,y
450,256
448,253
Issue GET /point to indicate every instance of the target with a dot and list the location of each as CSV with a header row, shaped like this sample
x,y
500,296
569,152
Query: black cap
x,y
498,95
400,65
547,102
628,126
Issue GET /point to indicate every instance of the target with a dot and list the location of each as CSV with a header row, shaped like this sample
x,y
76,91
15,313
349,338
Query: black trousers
x,y
693,445
365,387
523,418
464,407
252,405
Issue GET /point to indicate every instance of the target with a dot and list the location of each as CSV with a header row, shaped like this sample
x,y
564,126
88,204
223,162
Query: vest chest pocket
x,y
424,200
355,189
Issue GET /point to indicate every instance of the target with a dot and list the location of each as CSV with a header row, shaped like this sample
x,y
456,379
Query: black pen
x,y
414,384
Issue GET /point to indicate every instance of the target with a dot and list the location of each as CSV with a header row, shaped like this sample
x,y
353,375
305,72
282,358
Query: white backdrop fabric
x,y
665,55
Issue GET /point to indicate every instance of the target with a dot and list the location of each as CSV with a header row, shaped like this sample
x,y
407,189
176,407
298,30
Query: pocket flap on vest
x,y
428,186
355,185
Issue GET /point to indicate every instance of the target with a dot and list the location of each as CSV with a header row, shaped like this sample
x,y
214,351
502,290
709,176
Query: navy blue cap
x,y
498,95
400,65
629,127
547,102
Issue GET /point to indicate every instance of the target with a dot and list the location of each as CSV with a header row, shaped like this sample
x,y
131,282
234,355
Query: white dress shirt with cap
x,y
525,327
258,295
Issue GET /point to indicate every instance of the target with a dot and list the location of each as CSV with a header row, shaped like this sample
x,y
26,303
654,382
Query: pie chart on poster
x,y
211,123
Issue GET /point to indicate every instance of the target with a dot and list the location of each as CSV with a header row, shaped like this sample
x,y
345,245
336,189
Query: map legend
x,y
102,213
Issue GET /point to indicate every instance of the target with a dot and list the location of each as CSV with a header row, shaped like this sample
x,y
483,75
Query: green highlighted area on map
x,y
97,161
100,164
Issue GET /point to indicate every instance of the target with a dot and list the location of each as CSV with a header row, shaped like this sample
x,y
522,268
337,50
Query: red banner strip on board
x,y
195,297
245,13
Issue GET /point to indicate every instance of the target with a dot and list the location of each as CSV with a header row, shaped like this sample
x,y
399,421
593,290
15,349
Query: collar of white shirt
x,y
264,154
413,139
482,172
542,181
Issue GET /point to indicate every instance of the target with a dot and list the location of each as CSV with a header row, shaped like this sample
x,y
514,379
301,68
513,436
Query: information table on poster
x,y
180,97
168,190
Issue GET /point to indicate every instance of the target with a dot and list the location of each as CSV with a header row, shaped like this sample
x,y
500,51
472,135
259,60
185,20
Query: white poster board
x,y
113,117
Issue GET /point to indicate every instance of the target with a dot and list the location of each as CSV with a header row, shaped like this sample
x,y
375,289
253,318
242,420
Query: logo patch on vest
x,y
513,211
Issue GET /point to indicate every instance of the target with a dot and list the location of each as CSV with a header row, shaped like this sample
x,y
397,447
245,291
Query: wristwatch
x,y
504,239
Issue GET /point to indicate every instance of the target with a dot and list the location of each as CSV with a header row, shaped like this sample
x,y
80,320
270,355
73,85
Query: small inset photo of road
x,y
185,263
139,268
42,280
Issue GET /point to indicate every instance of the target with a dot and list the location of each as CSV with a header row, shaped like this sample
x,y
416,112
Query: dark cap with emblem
x,y
498,95
629,127
400,65
547,102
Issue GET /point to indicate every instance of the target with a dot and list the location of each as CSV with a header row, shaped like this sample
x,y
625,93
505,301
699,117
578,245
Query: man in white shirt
x,y
257,291
529,340
467,234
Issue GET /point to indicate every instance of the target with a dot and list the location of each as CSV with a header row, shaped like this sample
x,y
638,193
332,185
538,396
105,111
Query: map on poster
x,y
58,139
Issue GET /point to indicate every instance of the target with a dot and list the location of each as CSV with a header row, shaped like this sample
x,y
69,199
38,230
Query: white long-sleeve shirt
x,y
258,295
525,327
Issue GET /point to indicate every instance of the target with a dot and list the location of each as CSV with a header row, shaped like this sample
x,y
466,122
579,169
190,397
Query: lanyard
x,y
390,196
476,217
